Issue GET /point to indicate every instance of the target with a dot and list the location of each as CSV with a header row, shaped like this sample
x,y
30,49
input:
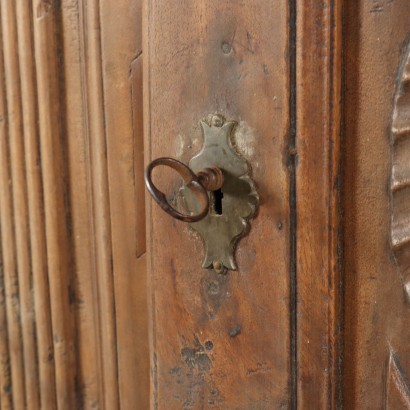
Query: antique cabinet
x,y
104,300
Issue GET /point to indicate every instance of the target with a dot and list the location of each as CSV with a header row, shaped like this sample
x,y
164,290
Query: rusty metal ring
x,y
192,182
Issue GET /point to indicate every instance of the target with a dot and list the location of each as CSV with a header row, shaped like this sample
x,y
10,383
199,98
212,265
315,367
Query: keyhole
x,y
218,195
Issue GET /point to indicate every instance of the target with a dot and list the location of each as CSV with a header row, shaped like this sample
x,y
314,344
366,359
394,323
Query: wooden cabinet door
x,y
266,336
220,341
104,303
73,314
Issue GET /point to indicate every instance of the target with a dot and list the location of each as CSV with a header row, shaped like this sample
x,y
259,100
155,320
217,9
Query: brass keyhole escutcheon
x,y
217,178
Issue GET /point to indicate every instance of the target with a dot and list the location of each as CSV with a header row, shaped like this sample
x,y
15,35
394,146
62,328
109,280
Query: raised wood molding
x,y
20,201
41,292
90,26
54,166
73,314
318,210
14,382
122,80
89,357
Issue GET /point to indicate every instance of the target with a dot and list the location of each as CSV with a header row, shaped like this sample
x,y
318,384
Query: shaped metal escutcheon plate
x,y
228,220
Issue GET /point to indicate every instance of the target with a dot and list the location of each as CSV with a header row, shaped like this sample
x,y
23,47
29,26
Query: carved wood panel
x,y
73,318
397,385
73,301
400,173
376,204
318,210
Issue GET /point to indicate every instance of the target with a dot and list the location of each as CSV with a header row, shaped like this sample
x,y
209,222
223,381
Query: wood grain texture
x,y
53,161
219,341
400,172
318,129
376,315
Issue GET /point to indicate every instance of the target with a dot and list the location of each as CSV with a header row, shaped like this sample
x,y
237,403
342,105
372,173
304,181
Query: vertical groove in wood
x,y
19,191
8,245
56,212
147,103
292,161
35,206
90,30
136,77
6,399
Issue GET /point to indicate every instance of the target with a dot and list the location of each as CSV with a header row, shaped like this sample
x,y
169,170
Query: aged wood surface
x,y
377,319
73,274
318,257
220,341
72,336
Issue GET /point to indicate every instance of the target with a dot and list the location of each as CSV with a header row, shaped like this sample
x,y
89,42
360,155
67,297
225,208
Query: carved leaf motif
x,y
397,388
400,173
